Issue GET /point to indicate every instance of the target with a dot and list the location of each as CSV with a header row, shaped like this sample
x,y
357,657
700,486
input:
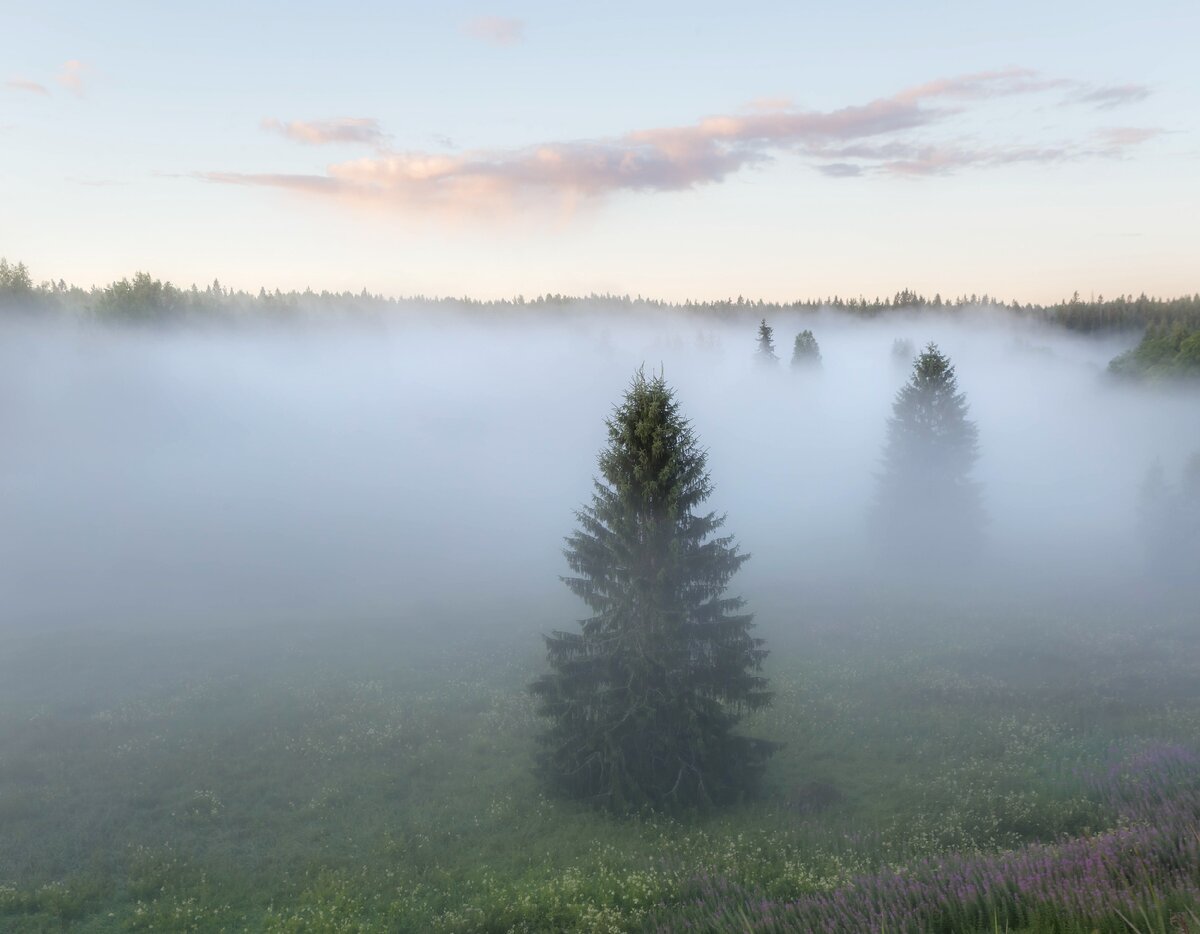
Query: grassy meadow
x,y
336,777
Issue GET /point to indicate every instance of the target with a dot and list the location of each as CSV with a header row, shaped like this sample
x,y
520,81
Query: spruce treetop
x,y
766,344
929,429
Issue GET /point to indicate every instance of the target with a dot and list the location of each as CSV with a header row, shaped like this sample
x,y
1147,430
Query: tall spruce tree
x,y
642,703
766,344
806,352
928,511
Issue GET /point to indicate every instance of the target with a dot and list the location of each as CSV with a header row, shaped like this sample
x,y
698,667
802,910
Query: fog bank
x,y
429,468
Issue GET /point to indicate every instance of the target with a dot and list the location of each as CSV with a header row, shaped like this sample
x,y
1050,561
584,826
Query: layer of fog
x,y
429,467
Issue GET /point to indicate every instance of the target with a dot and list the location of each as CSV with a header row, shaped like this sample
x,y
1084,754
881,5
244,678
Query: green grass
x,y
351,778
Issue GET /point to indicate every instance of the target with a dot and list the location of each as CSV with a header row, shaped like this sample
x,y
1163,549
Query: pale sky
x,y
677,150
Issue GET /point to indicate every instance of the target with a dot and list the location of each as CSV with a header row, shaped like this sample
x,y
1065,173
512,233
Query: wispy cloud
x,y
21,84
498,30
840,169
887,136
1117,138
338,130
71,76
315,184
914,160
984,84
1118,95
944,160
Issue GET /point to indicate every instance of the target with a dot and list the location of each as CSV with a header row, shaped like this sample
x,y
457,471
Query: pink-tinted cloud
x,y
319,132
1116,138
21,84
984,84
663,159
498,30
71,76
889,135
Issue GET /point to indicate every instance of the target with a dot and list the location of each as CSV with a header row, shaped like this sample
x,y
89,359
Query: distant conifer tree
x,y
928,510
806,352
1169,520
903,352
766,344
643,702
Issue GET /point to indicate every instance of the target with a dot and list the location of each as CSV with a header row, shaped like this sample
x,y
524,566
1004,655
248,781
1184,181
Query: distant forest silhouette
x,y
143,297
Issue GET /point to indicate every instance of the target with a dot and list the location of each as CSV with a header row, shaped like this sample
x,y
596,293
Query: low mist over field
x,y
432,462
273,586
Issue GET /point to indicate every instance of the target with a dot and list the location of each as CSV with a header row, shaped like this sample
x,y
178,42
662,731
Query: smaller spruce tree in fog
x,y
805,351
903,351
642,703
1169,520
1154,514
928,511
766,344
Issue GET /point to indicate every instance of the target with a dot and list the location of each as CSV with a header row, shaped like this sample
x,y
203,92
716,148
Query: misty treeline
x,y
145,298
1165,352
243,437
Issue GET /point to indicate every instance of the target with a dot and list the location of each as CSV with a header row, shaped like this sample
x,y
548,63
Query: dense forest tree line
x,y
1126,313
1165,352
145,298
